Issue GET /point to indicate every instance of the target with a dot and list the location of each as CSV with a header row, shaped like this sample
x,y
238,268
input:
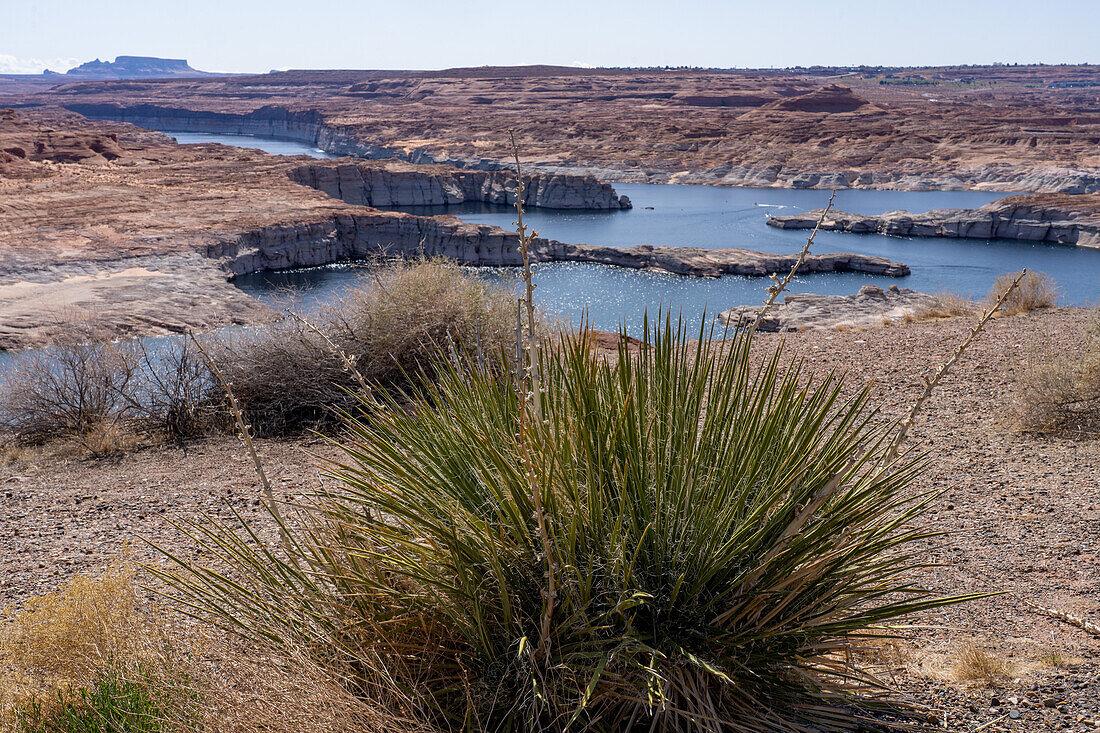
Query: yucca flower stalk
x,y
723,529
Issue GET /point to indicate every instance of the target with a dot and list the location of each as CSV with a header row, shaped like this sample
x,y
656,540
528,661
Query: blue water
x,y
266,144
711,217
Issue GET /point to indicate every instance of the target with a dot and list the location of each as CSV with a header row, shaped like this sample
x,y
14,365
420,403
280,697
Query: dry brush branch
x,y
532,404
781,285
930,383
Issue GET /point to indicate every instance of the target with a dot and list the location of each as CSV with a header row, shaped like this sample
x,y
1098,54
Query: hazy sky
x,y
258,35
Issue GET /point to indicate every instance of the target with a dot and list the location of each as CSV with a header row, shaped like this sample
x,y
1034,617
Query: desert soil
x,y
1020,515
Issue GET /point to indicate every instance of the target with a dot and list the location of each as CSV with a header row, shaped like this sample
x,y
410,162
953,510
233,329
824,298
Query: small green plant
x,y
115,703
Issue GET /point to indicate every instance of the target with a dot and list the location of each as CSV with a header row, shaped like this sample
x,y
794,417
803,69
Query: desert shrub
x,y
72,387
946,305
84,659
89,658
683,539
114,703
175,393
1036,290
1059,394
291,374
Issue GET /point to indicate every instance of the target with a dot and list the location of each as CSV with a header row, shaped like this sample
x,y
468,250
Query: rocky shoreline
x,y
870,307
362,236
1061,219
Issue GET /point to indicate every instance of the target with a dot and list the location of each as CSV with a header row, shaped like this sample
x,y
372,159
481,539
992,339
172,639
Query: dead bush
x,y
291,374
1059,394
73,387
1036,290
175,394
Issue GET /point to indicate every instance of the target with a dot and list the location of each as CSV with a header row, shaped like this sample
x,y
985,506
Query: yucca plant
x,y
684,537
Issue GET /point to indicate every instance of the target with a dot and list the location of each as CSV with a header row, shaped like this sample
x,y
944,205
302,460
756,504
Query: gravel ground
x,y
1021,515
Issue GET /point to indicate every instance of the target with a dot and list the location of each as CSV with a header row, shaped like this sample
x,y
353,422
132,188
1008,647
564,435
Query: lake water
x,y
708,216
266,144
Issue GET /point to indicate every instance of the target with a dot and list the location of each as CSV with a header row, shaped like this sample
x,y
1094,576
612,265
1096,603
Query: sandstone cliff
x,y
370,185
1007,129
150,237
1039,218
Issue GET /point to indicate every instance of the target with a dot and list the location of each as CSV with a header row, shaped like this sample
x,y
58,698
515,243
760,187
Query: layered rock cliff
x,y
767,167
995,128
363,235
1038,218
147,234
370,185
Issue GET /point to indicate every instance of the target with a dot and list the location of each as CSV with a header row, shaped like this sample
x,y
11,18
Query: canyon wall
x,y
1059,219
370,185
757,161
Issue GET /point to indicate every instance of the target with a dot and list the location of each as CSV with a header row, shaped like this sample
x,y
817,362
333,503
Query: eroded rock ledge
x,y
1060,218
363,235
871,306
371,185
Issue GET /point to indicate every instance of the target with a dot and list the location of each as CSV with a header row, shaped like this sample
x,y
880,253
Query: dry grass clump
x,y
1059,394
1035,290
87,659
975,663
292,374
945,305
84,659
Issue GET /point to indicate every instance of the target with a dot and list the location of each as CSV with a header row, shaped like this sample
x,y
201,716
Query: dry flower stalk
x,y
781,285
532,404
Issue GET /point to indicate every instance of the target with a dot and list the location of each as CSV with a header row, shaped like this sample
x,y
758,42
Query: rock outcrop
x,y
993,128
871,306
364,235
371,185
135,67
1063,219
831,98
150,240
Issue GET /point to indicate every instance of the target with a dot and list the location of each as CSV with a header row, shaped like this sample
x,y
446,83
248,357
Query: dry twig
x,y
246,438
781,285
1069,618
930,383
346,360
533,404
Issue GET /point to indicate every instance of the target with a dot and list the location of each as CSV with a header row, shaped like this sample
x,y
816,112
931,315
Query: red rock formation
x,y
1012,129
149,239
829,99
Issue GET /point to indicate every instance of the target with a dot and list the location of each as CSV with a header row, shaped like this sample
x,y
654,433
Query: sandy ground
x,y
1021,515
